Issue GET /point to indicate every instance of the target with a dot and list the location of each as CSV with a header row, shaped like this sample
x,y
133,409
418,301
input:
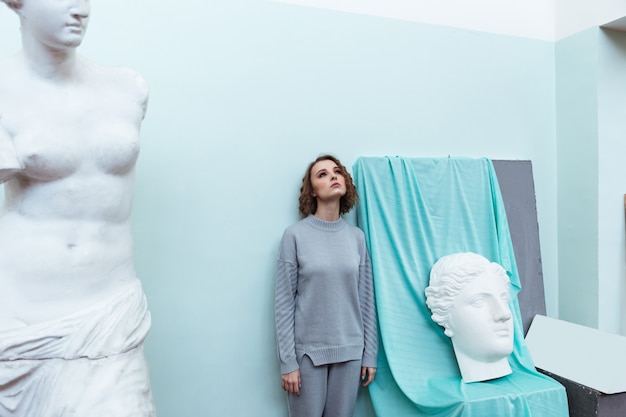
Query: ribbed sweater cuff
x,y
369,361
290,366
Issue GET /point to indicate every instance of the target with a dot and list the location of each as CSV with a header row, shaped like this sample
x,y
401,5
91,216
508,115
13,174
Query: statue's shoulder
x,y
7,62
9,164
122,79
127,79
9,72
130,78
135,82
116,77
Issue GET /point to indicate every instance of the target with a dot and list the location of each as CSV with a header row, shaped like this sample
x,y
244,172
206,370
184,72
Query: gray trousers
x,y
327,390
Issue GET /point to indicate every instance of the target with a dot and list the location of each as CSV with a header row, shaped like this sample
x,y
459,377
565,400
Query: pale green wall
x,y
240,104
246,92
591,121
612,181
244,95
577,168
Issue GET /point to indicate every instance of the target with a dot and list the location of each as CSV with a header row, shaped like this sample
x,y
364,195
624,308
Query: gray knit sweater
x,y
324,299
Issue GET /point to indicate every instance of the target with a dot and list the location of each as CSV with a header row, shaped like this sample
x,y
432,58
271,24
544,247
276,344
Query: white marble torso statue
x,y
469,296
73,316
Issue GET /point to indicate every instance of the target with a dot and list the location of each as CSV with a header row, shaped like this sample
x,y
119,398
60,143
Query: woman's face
x,y
58,24
327,180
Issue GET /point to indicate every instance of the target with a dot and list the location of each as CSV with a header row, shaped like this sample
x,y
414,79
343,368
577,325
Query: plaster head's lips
x,y
502,331
75,25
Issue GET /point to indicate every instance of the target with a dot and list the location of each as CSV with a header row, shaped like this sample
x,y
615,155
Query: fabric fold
x,y
90,363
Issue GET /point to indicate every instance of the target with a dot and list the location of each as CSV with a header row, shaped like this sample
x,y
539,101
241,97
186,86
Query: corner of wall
x,y
577,176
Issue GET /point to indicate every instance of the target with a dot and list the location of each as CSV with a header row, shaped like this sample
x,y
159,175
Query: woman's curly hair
x,y
308,203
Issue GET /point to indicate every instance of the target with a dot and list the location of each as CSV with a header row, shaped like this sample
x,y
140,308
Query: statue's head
x,y
469,297
58,24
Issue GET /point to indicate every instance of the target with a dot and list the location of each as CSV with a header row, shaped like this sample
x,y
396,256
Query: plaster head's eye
x,y
477,302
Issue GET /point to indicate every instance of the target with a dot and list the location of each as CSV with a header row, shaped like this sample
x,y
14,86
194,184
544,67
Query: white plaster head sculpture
x,y
468,296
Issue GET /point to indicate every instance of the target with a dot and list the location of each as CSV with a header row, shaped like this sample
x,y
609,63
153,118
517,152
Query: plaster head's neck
x,y
55,64
473,370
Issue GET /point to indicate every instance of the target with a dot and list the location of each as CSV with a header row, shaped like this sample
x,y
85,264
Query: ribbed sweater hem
x,y
336,354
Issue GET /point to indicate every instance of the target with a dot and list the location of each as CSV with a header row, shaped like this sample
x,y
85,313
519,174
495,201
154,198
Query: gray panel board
x,y
518,192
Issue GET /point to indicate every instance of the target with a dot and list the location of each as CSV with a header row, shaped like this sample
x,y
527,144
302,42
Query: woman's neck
x,y
327,211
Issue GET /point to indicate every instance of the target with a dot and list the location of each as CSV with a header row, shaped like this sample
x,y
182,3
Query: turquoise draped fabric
x,y
413,211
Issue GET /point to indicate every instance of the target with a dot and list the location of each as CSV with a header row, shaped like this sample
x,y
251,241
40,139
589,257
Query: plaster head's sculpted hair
x,y
468,296
449,275
308,203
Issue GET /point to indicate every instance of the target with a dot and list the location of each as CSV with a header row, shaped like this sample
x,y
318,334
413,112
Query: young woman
x,y
73,316
324,307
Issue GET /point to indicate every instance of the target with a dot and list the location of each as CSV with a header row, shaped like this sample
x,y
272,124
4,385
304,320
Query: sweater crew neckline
x,y
324,225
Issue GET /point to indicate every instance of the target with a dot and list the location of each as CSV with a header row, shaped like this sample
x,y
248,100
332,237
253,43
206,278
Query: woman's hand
x,y
291,382
367,375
